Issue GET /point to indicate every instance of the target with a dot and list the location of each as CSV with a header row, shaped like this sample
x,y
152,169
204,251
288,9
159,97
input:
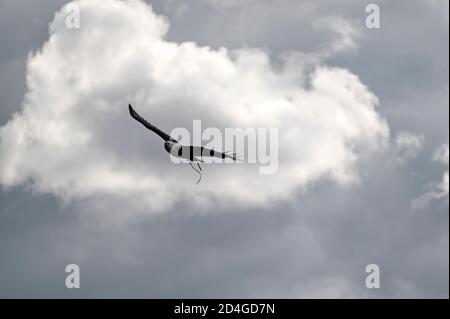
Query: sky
x,y
362,173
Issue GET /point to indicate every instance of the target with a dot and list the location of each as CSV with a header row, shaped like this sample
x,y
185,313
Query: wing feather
x,y
140,119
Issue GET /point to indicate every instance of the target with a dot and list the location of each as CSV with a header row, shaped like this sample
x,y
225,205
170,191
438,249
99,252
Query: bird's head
x,y
169,145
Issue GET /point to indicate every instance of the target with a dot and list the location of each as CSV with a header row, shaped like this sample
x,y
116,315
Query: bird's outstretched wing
x,y
137,117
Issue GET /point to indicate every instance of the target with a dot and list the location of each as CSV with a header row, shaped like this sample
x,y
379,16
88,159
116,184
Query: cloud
x,y
316,245
437,190
73,137
441,155
408,146
346,35
221,4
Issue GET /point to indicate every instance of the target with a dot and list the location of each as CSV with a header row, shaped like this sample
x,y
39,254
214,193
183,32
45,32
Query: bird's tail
x,y
234,156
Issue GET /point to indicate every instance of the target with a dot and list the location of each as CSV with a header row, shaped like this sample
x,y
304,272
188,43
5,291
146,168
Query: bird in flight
x,y
191,153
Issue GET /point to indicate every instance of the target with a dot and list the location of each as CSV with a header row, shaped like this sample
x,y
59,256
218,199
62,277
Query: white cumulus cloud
x,y
408,146
74,138
436,190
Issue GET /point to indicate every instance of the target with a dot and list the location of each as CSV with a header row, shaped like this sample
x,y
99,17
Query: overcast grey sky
x,y
363,178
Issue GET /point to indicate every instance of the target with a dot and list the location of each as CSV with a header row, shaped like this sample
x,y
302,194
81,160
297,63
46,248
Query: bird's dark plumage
x,y
137,117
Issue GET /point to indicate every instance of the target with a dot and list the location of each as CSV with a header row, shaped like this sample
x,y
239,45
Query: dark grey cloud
x,y
302,249
316,245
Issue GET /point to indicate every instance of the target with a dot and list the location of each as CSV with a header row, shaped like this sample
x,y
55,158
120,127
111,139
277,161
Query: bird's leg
x,y
199,172
199,167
